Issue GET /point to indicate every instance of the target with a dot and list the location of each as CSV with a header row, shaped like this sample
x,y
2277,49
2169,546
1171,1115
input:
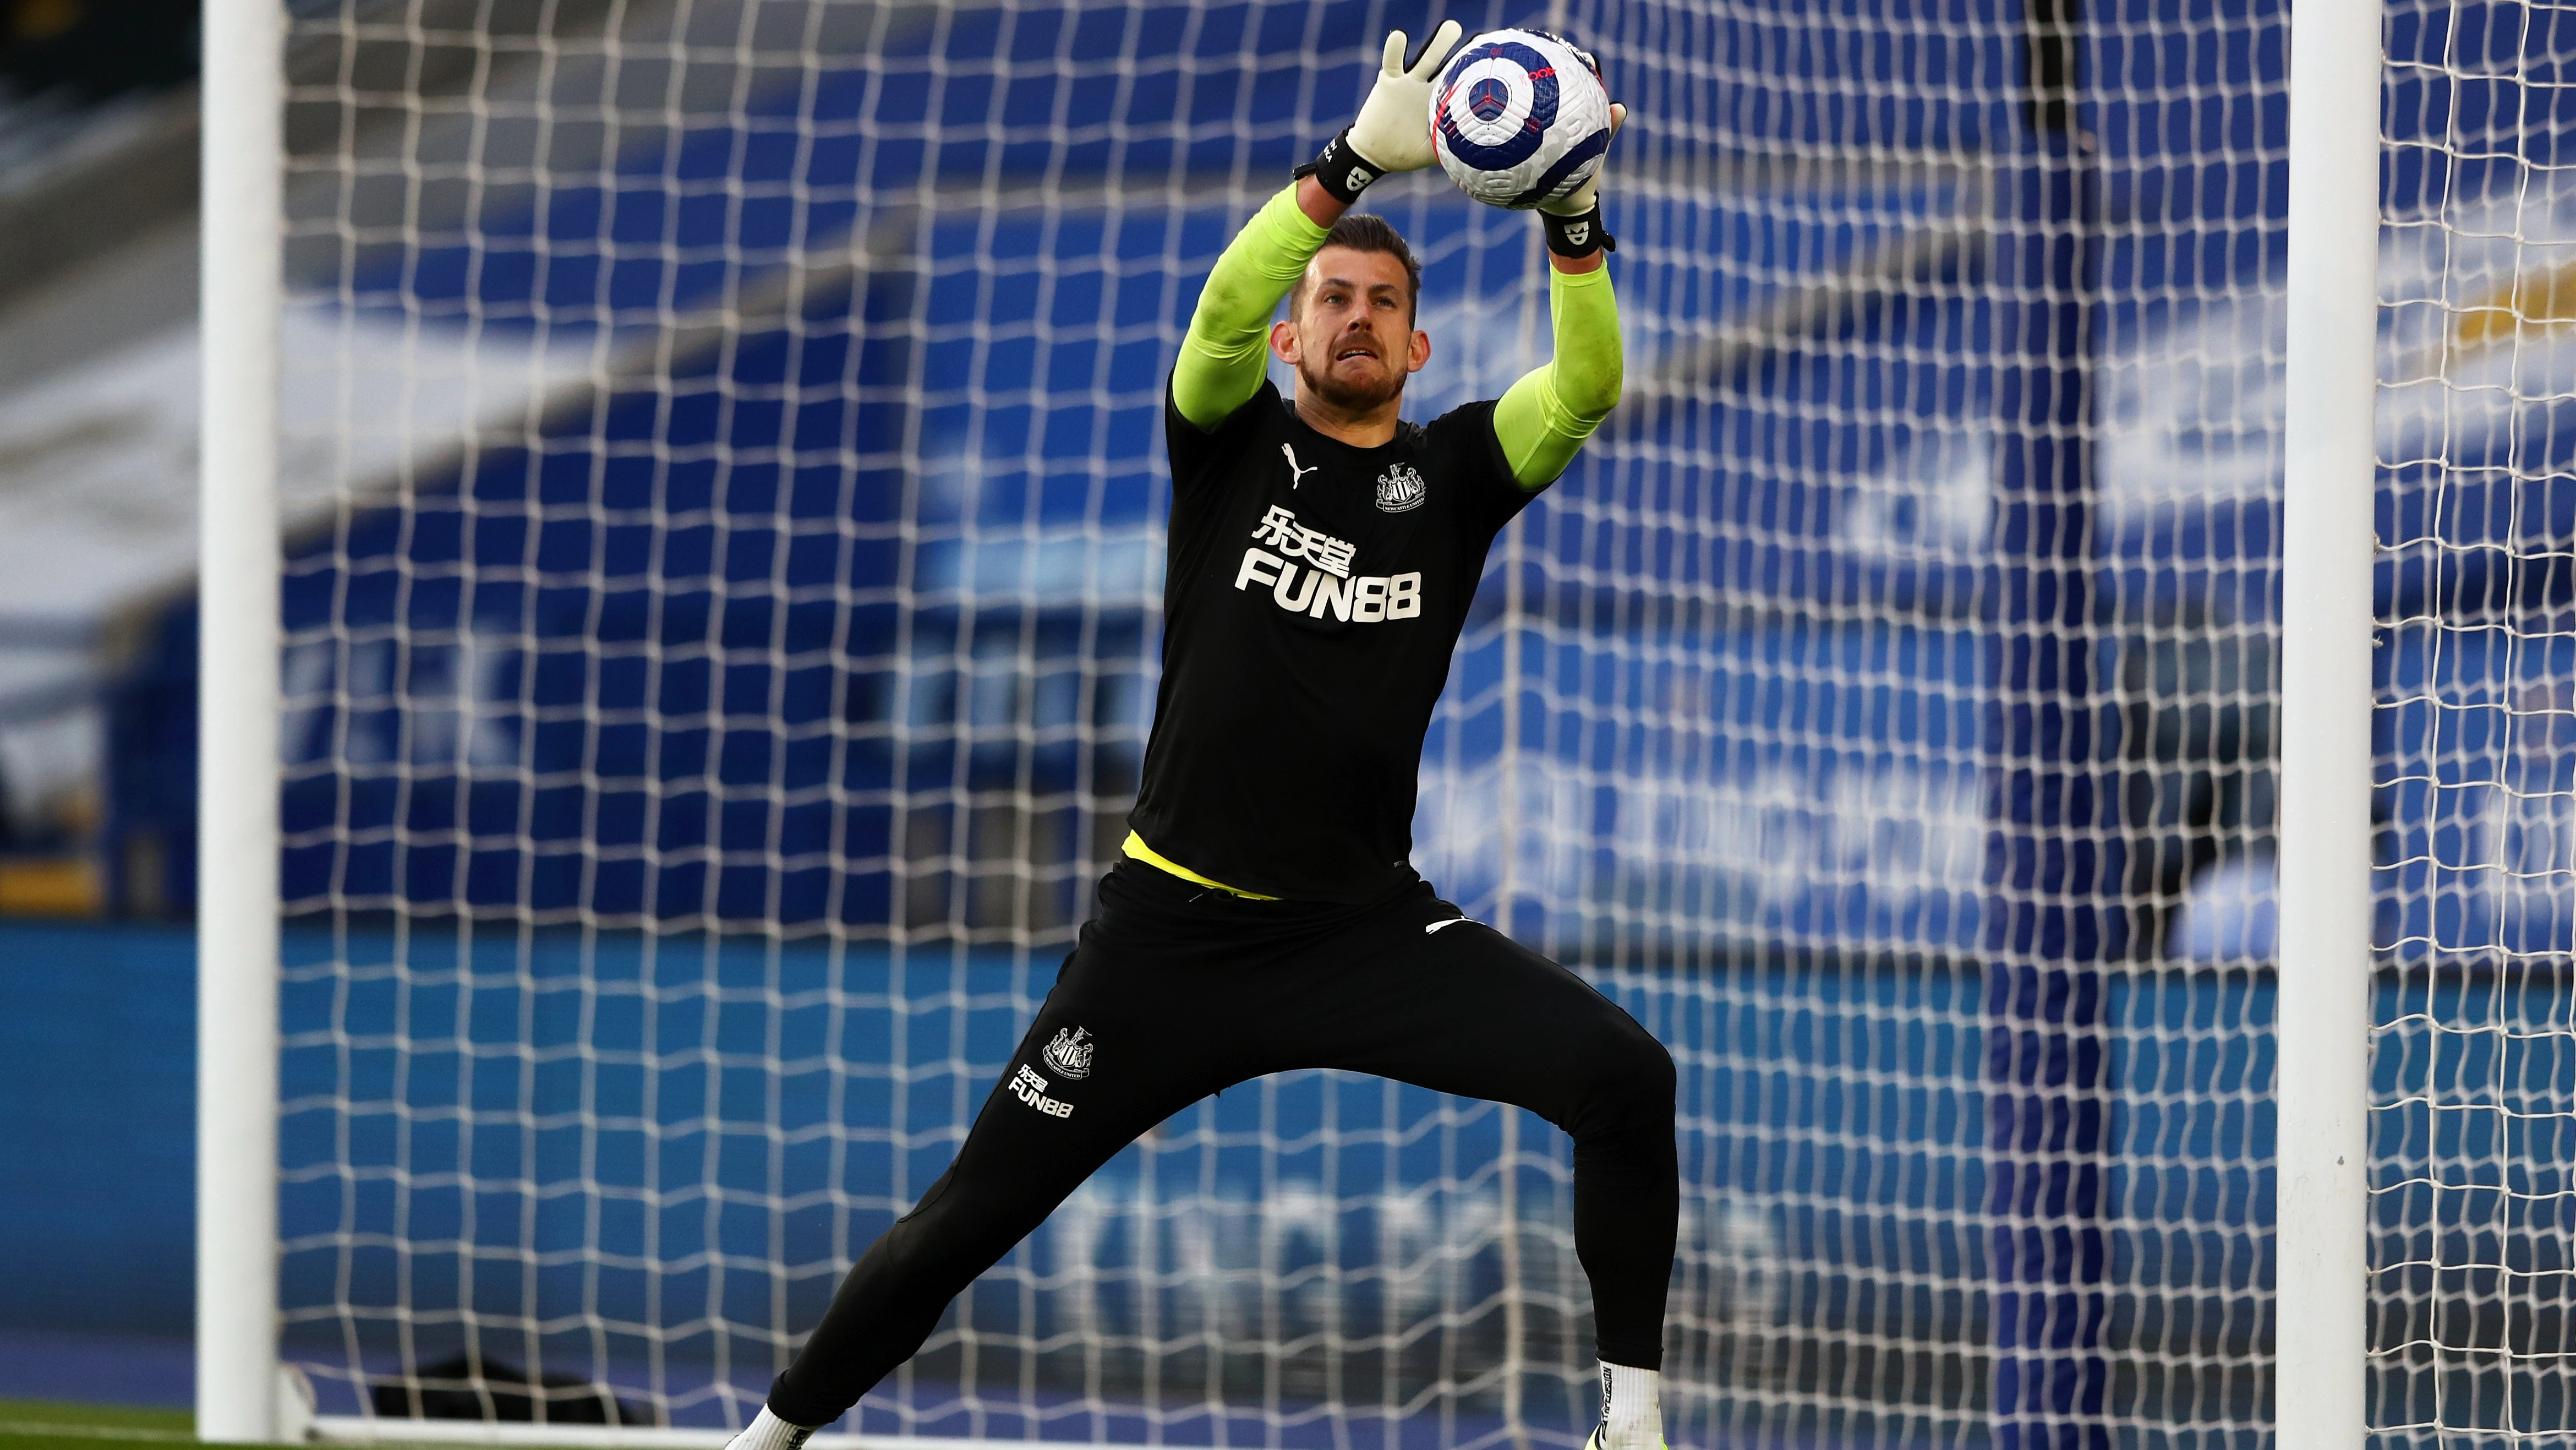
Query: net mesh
x,y
724,491
2473,1122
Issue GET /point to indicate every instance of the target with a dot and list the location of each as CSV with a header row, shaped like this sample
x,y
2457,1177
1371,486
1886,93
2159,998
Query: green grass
x,y
50,1425
57,1425
17,1415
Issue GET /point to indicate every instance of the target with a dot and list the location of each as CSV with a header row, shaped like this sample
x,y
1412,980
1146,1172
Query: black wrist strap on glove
x,y
1341,171
1575,237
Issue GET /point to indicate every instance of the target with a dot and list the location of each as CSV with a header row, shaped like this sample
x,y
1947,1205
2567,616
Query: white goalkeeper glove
x,y
1573,222
1393,132
1587,196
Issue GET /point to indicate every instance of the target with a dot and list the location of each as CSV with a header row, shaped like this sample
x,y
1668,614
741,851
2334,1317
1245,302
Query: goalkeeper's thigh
x,y
1047,1126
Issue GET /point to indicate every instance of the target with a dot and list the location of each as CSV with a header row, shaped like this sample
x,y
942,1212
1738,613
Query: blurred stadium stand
x,y
97,359
97,419
98,343
97,250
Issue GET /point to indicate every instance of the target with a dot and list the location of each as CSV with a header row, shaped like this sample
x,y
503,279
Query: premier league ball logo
x,y
1519,117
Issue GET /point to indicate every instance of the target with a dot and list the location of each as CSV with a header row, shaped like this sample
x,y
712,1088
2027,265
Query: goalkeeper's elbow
x,y
1230,317
1590,393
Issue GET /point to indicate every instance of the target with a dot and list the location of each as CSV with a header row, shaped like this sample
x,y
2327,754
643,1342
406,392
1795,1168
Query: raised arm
x,y
1545,416
1227,346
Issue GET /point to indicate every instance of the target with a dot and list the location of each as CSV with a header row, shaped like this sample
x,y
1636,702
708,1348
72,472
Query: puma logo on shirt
x,y
1296,475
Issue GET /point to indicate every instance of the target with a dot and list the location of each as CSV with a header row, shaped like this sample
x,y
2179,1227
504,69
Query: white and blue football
x,y
1519,117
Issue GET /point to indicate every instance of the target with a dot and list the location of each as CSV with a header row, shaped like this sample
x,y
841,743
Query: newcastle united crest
x,y
1069,1055
1399,489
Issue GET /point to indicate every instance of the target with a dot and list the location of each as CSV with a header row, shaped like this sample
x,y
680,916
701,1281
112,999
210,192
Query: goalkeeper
x,y
1265,917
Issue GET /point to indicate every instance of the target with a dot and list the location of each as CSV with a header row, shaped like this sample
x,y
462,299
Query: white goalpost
x,y
2328,549
242,176
2053,695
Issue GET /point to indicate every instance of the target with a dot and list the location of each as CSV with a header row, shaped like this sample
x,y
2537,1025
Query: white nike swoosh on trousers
x,y
1435,926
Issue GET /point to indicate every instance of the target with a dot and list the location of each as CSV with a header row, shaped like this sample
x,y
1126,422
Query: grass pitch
x,y
48,1425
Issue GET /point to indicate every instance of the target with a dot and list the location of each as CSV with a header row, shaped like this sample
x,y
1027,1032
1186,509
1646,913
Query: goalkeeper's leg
x,y
1049,1124
1463,1009
1017,1164
1180,992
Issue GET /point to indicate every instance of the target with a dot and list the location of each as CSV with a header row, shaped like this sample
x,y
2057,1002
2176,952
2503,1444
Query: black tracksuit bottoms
x,y
1176,991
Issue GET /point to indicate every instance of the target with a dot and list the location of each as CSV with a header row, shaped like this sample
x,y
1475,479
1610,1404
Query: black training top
x,y
1313,594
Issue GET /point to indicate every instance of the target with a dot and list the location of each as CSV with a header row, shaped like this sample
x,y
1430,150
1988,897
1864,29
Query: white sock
x,y
768,1432
1632,1408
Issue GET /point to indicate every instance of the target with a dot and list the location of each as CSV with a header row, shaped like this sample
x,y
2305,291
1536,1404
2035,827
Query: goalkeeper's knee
x,y
1622,1079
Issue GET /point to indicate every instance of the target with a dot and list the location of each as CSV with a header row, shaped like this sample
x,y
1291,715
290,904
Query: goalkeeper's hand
x,y
1573,222
1587,196
1393,132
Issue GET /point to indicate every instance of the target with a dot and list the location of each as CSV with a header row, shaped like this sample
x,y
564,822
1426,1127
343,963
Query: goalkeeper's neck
x,y
1361,428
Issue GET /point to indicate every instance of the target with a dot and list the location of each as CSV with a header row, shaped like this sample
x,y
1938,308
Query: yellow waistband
x,y
1137,848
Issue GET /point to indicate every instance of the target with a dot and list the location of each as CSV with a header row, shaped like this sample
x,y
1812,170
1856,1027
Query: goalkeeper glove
x,y
1393,132
1573,223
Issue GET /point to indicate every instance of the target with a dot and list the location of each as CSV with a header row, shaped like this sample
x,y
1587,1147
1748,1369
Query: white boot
x,y
1632,1410
768,1432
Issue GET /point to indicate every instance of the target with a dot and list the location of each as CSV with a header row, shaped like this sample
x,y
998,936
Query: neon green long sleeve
x,y
1540,422
1545,416
1227,347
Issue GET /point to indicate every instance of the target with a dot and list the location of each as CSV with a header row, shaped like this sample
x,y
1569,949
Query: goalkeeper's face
x,y
1350,333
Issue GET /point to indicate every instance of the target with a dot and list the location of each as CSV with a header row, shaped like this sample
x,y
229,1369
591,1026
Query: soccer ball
x,y
1519,117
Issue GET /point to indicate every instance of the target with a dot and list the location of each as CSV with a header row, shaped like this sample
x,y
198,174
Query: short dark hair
x,y
1367,232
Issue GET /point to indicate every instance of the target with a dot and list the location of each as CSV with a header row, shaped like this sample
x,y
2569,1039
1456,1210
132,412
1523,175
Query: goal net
x,y
724,499
2473,1120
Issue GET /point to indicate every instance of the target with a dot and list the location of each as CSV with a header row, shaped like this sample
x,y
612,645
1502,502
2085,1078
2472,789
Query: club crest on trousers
x,y
1070,1053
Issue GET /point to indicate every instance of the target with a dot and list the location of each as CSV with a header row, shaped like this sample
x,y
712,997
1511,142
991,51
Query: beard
x,y
1350,397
